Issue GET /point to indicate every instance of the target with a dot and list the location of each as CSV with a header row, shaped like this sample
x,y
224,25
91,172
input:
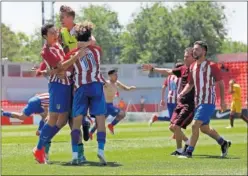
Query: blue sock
x,y
163,118
75,135
41,124
44,136
220,140
93,129
190,149
101,139
7,114
114,122
54,131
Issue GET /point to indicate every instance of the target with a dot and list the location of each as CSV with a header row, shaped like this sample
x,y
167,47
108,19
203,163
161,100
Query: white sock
x,y
180,150
101,152
74,155
187,142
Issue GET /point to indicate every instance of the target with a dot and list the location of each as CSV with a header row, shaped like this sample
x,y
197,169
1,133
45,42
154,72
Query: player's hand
x,y
61,74
162,103
223,106
81,53
147,67
83,44
132,87
179,96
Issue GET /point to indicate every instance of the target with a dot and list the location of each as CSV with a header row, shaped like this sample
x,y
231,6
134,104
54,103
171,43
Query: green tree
x,y
107,29
151,37
10,43
229,46
202,21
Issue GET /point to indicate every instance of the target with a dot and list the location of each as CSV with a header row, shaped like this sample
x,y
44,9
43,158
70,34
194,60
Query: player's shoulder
x,y
236,85
191,65
212,63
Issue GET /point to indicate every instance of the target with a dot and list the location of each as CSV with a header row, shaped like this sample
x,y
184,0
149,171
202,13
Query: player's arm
x,y
216,73
188,86
231,90
164,71
124,87
162,102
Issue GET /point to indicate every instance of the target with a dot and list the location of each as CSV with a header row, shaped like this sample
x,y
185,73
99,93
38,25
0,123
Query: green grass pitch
x,y
135,149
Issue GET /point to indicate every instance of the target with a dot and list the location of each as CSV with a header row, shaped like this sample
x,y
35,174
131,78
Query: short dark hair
x,y
44,29
202,44
110,72
68,10
83,31
178,65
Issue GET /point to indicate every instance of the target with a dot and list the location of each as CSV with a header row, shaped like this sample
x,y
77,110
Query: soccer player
x,y
36,105
236,106
88,95
110,91
59,88
204,75
69,42
183,113
173,83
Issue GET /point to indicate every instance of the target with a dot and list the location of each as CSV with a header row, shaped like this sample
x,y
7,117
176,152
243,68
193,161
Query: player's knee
x,y
195,126
122,114
172,127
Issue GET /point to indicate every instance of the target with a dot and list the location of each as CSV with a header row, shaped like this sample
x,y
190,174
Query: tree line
x,y
155,34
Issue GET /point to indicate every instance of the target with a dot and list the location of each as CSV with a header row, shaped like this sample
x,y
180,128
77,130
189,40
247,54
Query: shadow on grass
x,y
88,163
214,156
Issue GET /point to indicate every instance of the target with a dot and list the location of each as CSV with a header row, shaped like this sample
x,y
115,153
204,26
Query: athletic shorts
x,y
204,112
89,96
236,107
171,107
60,97
112,110
33,107
183,115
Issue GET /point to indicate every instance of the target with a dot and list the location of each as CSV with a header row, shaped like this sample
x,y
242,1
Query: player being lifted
x,y
183,113
236,105
110,90
173,84
204,75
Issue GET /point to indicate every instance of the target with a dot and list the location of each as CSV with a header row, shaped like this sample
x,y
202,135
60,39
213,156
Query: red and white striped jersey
x,y
204,76
173,83
87,69
52,56
44,99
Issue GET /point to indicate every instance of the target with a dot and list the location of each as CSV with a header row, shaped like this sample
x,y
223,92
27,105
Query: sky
x,y
20,20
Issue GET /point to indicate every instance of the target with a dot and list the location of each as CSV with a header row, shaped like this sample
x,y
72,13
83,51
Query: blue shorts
x,y
171,107
60,97
204,112
112,110
89,96
33,107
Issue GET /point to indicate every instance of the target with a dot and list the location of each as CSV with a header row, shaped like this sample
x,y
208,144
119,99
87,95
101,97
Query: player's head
x,y
83,31
113,76
200,49
188,56
67,16
178,65
50,33
232,81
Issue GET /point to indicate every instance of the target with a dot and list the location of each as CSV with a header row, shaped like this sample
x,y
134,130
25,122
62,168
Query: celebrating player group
x,y
77,92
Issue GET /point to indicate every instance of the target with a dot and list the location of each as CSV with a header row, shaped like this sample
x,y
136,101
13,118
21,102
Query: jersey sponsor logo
x,y
71,42
221,115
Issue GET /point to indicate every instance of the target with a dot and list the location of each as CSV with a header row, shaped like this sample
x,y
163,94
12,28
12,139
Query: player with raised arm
x,y
183,113
110,90
236,105
173,84
59,106
204,75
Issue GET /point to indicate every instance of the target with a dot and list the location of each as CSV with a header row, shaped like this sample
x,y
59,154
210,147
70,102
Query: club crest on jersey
x,y
58,106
